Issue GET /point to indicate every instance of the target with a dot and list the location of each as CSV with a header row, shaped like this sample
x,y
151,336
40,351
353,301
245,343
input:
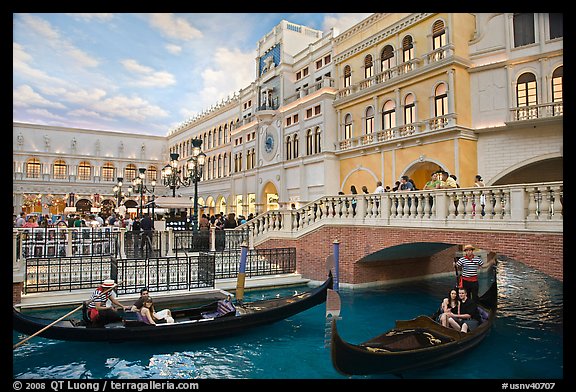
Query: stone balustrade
x,y
519,207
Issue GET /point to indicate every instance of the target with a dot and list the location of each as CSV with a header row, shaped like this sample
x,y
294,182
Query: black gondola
x,y
412,344
189,323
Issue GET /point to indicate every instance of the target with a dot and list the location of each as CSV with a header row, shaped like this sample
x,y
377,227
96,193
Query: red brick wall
x,y
17,292
543,252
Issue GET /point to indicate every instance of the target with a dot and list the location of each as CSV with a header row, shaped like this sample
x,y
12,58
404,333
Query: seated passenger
x,y
149,316
449,305
467,317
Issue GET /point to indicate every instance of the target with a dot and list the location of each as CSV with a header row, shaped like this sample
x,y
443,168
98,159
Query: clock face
x,y
269,142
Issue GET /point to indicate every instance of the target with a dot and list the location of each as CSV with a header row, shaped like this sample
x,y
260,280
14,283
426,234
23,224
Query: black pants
x,y
471,289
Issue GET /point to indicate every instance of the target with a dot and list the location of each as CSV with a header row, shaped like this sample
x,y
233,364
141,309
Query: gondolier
x,y
469,263
98,312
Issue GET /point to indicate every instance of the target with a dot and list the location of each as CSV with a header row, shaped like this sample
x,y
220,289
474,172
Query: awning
x,y
174,202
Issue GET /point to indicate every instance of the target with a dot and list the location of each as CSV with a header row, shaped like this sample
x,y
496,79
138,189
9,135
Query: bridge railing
x,y
521,207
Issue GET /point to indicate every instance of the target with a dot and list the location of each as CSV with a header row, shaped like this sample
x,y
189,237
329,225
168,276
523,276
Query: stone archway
x,y
421,172
270,197
539,169
83,206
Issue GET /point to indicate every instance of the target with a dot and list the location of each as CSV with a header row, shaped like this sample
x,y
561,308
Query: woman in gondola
x,y
449,305
149,316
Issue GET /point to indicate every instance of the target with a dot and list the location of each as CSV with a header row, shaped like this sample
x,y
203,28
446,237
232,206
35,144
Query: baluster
x,y
470,201
406,205
544,212
420,209
557,203
393,206
507,205
498,204
413,203
451,206
427,205
532,204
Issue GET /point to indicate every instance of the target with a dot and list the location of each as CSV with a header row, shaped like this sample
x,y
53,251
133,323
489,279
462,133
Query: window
x,y
523,29
288,121
317,110
33,168
389,115
347,76
253,158
108,171
369,120
295,118
305,72
317,141
84,171
219,136
130,172
319,64
295,143
557,85
441,100
409,109
309,142
407,49
368,67
438,35
348,127
298,75
387,57
327,59
308,113
526,90
556,23
59,169
288,148
151,173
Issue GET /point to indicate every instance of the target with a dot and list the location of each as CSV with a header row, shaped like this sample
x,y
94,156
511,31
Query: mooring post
x,y
336,246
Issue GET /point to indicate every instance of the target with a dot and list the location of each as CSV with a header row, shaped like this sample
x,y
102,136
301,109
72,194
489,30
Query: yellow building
x,y
403,104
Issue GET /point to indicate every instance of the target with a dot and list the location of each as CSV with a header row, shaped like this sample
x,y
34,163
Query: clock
x,y
268,142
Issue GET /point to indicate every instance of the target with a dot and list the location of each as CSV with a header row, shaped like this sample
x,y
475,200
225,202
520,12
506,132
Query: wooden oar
x,y
61,318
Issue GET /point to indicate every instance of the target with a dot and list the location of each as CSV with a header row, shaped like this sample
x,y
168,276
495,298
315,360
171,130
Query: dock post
x,y
336,247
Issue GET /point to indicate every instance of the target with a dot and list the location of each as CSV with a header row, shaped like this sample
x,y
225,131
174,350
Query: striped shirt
x,y
470,267
99,296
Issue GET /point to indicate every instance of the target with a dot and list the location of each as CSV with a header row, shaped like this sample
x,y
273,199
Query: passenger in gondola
x,y
449,305
98,311
468,317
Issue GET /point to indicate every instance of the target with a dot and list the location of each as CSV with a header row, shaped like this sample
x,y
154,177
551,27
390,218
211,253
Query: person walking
x,y
147,226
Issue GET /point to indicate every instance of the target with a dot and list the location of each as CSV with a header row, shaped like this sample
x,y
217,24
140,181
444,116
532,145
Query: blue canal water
x,y
526,341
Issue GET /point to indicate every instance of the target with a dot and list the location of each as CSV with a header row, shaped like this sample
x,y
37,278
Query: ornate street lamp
x,y
139,186
171,174
118,194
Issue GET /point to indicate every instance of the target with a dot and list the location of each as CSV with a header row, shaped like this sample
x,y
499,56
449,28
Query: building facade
x,y
397,94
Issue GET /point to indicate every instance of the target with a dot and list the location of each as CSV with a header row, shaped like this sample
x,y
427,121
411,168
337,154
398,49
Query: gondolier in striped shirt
x,y
470,263
98,311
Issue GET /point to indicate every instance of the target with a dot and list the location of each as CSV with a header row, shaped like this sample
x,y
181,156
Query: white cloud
x,y
25,96
174,27
45,114
342,22
20,66
146,76
83,113
99,17
132,108
174,49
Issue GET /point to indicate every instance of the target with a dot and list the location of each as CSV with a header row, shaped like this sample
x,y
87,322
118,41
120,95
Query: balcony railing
x,y
544,110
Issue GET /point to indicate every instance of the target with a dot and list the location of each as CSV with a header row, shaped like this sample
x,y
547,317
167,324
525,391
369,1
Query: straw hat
x,y
469,246
108,283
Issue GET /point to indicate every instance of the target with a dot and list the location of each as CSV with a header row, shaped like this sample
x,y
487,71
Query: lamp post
x,y
139,186
171,174
118,194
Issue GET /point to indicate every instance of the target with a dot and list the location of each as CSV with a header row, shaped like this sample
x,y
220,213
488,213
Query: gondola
x,y
189,325
412,344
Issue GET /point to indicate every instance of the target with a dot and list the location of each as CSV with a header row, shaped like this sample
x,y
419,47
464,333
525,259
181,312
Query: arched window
x,y
288,147
369,120
108,171
557,84
220,166
317,141
130,172
526,90
84,171
389,115
407,49
348,127
309,142
226,132
213,166
438,35
226,165
441,100
253,158
387,57
295,143
409,109
33,168
59,169
151,173
347,76
209,145
220,135
368,67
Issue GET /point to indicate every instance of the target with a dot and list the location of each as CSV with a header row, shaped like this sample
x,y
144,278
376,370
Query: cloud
x,y
20,66
132,108
342,22
99,17
174,49
25,96
146,76
174,27
45,114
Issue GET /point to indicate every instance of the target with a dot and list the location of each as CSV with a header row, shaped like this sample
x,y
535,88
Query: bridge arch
x,y
543,168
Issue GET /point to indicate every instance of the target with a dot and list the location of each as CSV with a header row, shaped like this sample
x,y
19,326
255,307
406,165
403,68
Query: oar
x,y
60,319
457,277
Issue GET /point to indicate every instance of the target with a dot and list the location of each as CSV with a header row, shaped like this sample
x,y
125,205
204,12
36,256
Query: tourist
x,y
449,305
479,184
148,315
204,223
31,222
140,301
354,202
469,264
405,184
147,227
99,313
21,220
230,221
468,317
365,189
433,181
379,187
